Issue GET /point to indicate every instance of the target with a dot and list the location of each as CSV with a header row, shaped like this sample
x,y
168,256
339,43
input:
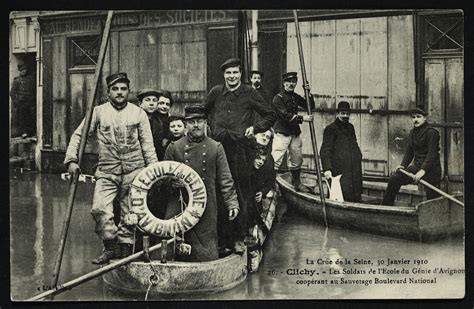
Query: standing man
x,y
340,154
256,80
230,108
423,150
125,147
208,159
23,94
287,128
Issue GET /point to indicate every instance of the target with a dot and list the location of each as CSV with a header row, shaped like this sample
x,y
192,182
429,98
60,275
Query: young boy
x,y
149,103
176,128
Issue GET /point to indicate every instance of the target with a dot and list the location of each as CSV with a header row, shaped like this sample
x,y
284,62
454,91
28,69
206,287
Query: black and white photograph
x,y
225,154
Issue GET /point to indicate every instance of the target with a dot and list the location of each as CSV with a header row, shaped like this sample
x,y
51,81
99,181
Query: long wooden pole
x,y
314,142
430,186
93,274
82,147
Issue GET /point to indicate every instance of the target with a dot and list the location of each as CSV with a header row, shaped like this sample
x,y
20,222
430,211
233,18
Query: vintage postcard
x,y
237,155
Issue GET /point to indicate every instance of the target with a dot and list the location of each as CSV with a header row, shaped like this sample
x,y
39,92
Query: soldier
x,y
340,154
125,147
230,108
287,128
23,95
423,150
208,159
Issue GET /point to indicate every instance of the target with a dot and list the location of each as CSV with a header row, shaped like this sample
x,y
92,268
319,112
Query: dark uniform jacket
x,y
231,112
208,159
266,96
423,149
285,104
23,94
159,124
340,153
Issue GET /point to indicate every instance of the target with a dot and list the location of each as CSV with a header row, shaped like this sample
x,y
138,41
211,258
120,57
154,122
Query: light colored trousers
x,y
107,188
292,144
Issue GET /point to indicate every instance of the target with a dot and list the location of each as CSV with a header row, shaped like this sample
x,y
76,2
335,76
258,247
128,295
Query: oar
x,y
314,142
82,147
95,273
430,186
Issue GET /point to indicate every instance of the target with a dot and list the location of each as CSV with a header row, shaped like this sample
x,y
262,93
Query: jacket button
x,y
185,153
203,153
186,161
203,161
203,169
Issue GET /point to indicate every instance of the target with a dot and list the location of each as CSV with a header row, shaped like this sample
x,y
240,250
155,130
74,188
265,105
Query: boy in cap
x,y
208,159
340,154
125,147
287,128
423,150
230,108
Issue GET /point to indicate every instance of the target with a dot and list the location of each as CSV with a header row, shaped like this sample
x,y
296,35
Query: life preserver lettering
x,y
193,184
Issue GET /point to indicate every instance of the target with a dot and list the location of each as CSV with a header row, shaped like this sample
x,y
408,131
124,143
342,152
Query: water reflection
x,y
38,209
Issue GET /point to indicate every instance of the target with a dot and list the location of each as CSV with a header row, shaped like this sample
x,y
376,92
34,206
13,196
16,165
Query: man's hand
x,y
258,197
249,132
164,142
400,167
73,169
233,213
328,174
419,175
308,118
306,87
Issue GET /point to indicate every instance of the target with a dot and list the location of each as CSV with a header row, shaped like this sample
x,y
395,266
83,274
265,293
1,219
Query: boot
x,y
125,250
111,250
295,174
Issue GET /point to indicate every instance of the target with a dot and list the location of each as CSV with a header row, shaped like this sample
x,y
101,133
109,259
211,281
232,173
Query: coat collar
x,y
237,91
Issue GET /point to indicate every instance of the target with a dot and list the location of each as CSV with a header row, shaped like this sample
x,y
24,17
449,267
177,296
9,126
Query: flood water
x,y
302,260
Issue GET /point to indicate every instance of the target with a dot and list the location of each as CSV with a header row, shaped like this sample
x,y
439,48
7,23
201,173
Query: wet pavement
x,y
302,260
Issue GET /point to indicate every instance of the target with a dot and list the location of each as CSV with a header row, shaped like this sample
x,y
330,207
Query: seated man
x,y
423,149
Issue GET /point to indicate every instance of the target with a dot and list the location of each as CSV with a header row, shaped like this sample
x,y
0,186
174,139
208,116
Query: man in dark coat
x,y
23,94
340,154
256,80
423,150
287,128
230,108
208,159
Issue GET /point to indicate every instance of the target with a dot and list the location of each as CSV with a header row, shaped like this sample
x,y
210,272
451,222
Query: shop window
x,y
84,51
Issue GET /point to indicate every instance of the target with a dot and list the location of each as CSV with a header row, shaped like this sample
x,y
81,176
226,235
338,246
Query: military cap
x,y
194,111
175,117
419,109
112,79
343,106
232,62
22,66
289,75
256,72
148,91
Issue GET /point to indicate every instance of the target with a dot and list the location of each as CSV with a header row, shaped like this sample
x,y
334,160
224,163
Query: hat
x,y
420,109
175,117
232,62
343,106
22,66
194,111
289,75
256,72
112,79
146,92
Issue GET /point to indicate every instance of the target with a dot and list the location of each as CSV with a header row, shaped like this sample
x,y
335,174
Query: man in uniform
x,y
207,157
125,147
423,150
340,154
230,108
287,128
23,94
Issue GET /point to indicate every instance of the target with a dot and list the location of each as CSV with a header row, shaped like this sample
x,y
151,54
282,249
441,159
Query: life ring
x,y
194,185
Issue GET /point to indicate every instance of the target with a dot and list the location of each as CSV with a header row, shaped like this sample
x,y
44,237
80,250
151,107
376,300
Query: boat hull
x,y
179,277
427,221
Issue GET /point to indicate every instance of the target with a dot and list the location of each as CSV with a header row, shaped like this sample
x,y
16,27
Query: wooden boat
x,y
411,218
184,278
179,277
